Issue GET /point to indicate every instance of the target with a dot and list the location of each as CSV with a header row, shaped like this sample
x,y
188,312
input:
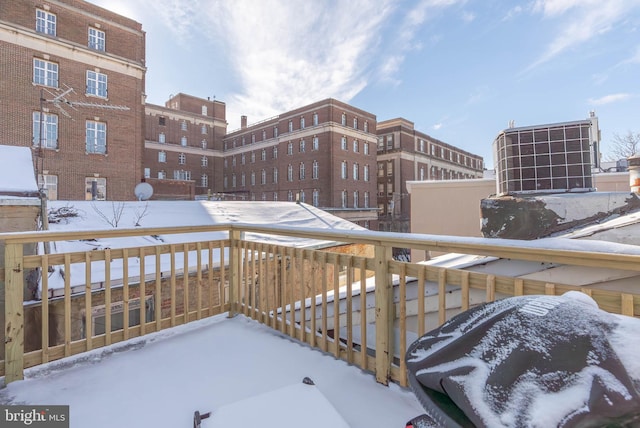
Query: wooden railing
x,y
364,308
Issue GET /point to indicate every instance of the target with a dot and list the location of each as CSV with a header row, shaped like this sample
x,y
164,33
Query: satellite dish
x,y
143,191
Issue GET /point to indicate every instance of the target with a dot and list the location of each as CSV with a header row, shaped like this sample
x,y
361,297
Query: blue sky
x,y
459,69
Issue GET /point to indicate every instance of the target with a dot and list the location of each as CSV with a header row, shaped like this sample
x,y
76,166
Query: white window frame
x,y
204,180
96,137
162,138
147,173
49,183
344,172
45,73
182,159
302,171
289,172
162,157
50,137
97,39
96,84
101,188
46,22
204,161
315,170
183,141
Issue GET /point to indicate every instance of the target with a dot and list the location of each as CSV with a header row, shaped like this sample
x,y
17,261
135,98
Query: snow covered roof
x,y
17,177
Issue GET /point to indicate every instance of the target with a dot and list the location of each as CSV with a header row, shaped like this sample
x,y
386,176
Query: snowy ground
x,y
217,365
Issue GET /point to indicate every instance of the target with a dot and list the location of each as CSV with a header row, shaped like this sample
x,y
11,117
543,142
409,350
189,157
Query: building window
x,y
314,143
233,161
253,138
355,199
96,84
365,172
275,152
316,197
203,128
380,169
344,119
356,175
302,123
147,173
356,147
389,141
264,135
289,172
290,196
343,143
162,156
181,175
315,170
243,180
422,177
389,168
204,180
344,199
263,155
421,145
291,126
263,177
204,110
183,141
315,119
290,148
253,157
204,161
45,22
162,138
242,159
365,148
275,131
49,183
366,126
203,144
302,196
183,125
344,169
95,189
366,199
233,181
433,150
50,127
275,175
182,159
225,182
355,123
302,146
45,73
275,196
161,120
96,39
302,171
96,137
253,178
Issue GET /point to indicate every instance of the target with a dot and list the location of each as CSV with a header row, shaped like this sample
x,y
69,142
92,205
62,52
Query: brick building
x,y
322,154
405,154
183,147
82,69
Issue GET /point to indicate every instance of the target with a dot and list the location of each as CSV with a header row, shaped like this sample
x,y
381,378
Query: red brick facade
x,y
122,62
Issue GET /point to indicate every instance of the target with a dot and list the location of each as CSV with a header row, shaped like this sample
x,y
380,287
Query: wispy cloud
x,y
579,21
609,99
512,13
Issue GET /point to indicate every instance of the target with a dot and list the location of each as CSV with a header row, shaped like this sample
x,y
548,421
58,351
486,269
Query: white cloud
x,y
579,21
512,13
608,99
437,126
468,17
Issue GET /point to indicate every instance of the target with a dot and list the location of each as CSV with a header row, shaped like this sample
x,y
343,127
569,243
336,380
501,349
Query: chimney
x,y
634,173
243,122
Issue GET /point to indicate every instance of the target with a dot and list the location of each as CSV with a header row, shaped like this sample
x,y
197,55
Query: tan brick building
x,y
81,68
322,154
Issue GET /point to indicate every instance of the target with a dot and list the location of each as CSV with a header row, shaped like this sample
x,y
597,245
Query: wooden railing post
x,y
384,314
14,313
235,258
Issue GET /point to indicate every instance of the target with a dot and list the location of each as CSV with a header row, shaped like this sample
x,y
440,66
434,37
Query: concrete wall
x,y
612,182
447,207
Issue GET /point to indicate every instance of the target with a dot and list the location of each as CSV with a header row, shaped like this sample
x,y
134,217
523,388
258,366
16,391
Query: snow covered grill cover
x,y
531,361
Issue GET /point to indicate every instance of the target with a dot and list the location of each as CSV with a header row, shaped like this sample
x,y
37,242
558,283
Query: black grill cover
x,y
531,361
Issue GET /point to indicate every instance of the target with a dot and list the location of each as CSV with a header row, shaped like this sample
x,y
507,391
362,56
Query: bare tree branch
x,y
624,146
